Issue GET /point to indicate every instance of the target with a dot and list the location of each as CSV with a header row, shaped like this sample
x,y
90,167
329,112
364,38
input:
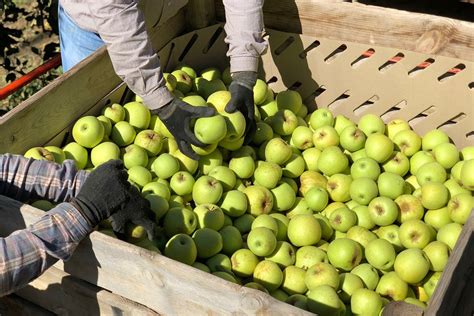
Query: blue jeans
x,y
76,43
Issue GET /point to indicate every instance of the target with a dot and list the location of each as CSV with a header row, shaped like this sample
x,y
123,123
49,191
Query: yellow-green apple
x,y
182,248
363,190
342,219
408,142
371,124
188,70
206,88
392,286
289,100
158,205
348,284
380,254
268,109
467,153
326,229
244,262
453,187
363,217
256,286
158,188
182,183
243,166
398,164
412,265
368,274
299,207
231,239
283,255
261,241
209,162
414,233
88,131
260,200
356,155
263,133
139,175
165,166
176,200
390,185
259,91
195,100
297,300
449,234
207,190
379,147
208,242
438,255
308,256
265,220
170,81
278,151
309,179
284,122
58,153
324,137
302,138
211,73
115,112
225,175
434,195
40,153
419,159
304,230
332,160
446,154
210,130
321,117
341,122
383,211
395,126
430,282
323,300
433,138
149,140
366,302
361,234
460,207
107,123
122,133
410,208
352,139
104,152
267,174
233,203
209,216
282,222
317,198
365,168
244,223
284,197
467,174
135,155
185,163
201,266
183,81
179,220
294,280
77,153
268,274
294,167
321,273
302,113
391,234
338,187
137,114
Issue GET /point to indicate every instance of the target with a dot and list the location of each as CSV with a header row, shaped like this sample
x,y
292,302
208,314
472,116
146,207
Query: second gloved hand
x,y
177,117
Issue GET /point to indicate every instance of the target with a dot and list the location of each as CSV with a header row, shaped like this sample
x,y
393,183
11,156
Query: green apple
x,y
207,190
211,73
338,187
297,300
304,230
398,164
219,262
379,147
363,217
392,286
158,205
390,185
115,112
332,207
201,266
208,242
310,179
135,155
244,262
430,282
58,153
453,187
290,100
358,154
219,100
122,133
460,207
88,131
170,81
107,123
210,130
365,168
414,233
225,176
158,188
365,302
268,109
299,207
380,254
311,156
438,255
182,183
344,253
449,234
208,162
368,274
408,142
321,117
206,88
294,280
244,223
342,219
323,300
410,208
307,256
257,286
294,167
395,126
267,174
467,174
302,138
383,211
195,100
181,248
264,133
233,203
137,114
149,140
284,197
282,223
284,122
348,284
363,190
209,216
326,229
434,138
446,154
332,160
165,166
139,175
419,159
243,167
352,139
278,151
260,200
179,220
40,153
412,265
104,152
268,274
317,198
261,241
361,234
77,153
259,91
325,137
341,122
321,273
391,234
188,70
231,239
467,153
265,220
283,255
431,172
434,195
183,81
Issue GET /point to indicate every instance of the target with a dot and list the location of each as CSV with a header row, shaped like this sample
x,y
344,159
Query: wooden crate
x,y
322,70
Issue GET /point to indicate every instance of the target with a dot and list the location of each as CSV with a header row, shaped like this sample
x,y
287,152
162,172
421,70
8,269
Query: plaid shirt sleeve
x,y
27,253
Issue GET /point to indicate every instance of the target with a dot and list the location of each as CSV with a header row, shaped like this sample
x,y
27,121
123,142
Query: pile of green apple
x,y
320,212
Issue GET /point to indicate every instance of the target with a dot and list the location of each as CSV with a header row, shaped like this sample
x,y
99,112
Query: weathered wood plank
x,y
402,309
355,22
13,305
162,284
63,294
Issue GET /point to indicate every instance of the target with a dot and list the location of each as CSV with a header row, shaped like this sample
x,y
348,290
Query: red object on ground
x,y
32,75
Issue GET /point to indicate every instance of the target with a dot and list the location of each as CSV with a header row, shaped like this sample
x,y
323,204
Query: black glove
x,y
106,192
241,91
177,117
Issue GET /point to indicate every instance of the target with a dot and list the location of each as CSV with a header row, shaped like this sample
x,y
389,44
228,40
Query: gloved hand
x,y
107,193
177,116
241,91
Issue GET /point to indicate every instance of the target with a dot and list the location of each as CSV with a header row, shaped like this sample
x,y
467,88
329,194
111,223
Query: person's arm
x,y
26,179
